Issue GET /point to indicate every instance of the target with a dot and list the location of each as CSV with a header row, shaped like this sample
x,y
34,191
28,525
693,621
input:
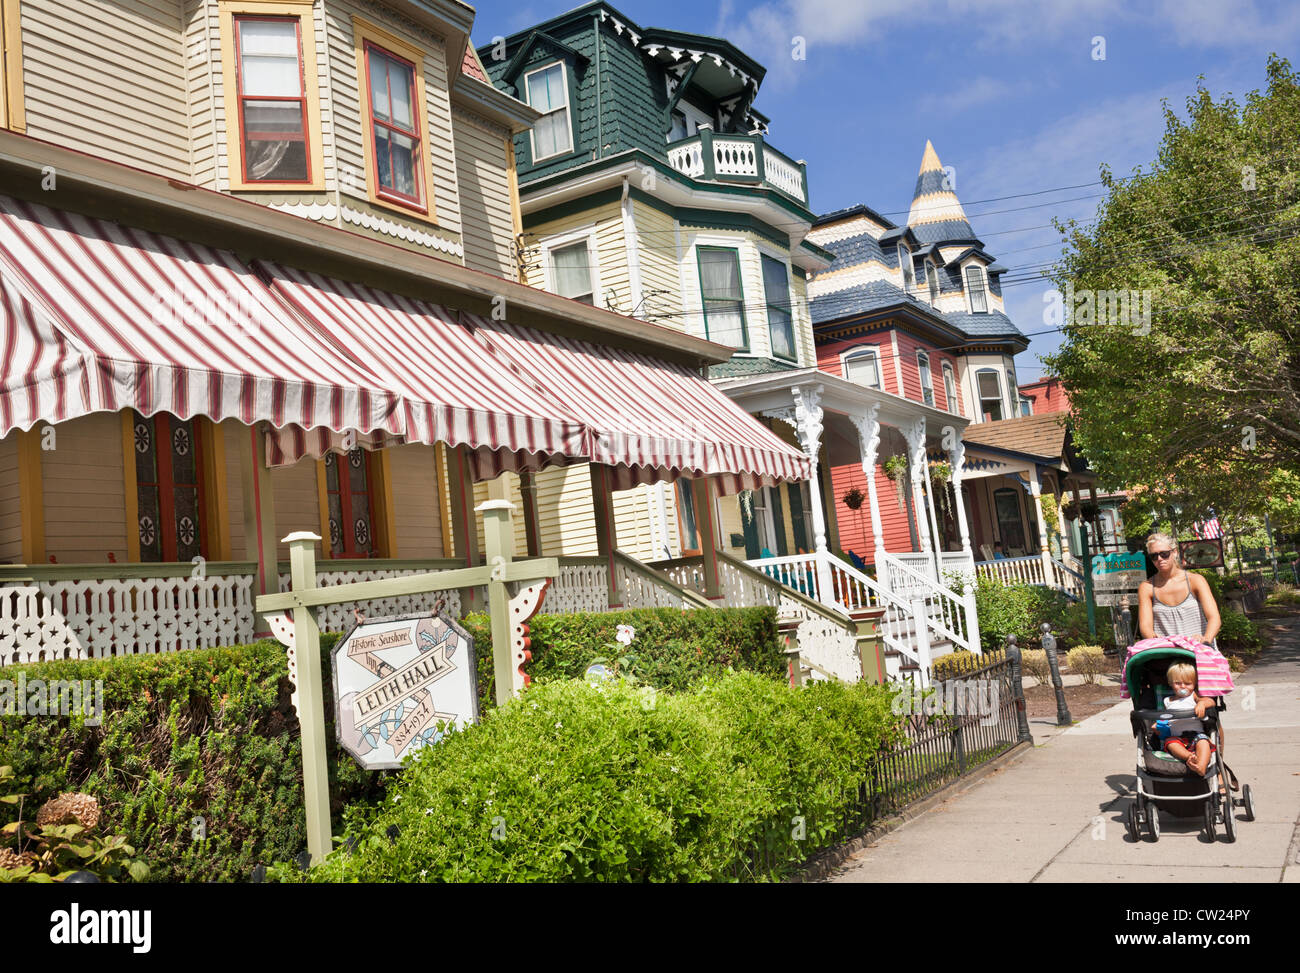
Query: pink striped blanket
x,y
1213,676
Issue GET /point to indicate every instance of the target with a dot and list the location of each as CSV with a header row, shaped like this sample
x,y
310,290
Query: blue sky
x,y
1009,91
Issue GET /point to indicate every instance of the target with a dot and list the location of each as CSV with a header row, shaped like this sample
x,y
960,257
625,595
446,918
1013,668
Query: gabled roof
x,y
849,211
520,59
936,215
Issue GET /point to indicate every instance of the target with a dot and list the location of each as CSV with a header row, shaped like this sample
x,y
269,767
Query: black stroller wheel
x,y
1229,818
1210,806
1131,822
1152,815
1248,800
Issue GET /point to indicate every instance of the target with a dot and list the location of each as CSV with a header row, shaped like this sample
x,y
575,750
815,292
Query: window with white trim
x,y
572,273
547,91
927,381
989,385
932,278
862,365
977,289
780,322
949,387
905,264
1026,406
722,296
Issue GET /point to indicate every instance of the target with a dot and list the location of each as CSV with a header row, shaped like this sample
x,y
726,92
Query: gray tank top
x,y
1185,618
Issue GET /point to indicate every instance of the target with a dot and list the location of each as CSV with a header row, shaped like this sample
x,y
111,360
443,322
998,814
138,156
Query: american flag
x,y
1208,530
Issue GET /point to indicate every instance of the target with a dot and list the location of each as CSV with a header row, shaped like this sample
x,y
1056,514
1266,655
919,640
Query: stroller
x,y
1163,781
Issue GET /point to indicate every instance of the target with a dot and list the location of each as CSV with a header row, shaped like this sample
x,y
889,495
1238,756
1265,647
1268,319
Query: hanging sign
x,y
1201,554
1116,577
401,684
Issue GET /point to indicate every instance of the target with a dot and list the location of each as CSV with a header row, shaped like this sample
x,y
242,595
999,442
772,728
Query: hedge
x,y
672,648
607,783
198,733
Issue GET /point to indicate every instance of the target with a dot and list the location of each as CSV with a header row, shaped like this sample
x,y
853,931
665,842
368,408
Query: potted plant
x,y
941,476
896,470
853,499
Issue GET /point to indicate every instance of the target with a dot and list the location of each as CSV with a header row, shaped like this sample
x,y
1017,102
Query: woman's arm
x,y
1201,588
1146,617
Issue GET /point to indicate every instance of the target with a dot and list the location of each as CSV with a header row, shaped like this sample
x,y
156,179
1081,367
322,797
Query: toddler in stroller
x,y
1179,738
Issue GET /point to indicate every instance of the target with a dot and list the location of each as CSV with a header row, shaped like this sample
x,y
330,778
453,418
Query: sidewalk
x,y
1057,814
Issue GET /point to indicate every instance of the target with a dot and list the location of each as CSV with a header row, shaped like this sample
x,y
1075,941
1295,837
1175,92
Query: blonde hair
x,y
1162,538
1181,671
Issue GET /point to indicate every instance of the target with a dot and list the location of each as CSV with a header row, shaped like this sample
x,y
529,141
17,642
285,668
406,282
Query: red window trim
x,y
345,507
161,424
418,202
241,98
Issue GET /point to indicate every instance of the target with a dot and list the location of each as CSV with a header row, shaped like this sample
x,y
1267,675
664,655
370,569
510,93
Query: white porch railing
x,y
1031,570
950,615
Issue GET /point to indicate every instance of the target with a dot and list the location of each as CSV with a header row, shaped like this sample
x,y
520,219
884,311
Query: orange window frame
x,y
417,201
242,98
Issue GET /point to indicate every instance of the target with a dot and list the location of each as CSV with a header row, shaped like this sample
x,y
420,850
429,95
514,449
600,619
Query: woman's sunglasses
x,y
1160,555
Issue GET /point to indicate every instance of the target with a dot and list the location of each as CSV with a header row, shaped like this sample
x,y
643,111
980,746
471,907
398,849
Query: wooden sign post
x,y
295,625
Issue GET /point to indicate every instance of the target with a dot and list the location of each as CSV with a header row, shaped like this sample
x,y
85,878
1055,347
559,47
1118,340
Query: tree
x,y
1199,404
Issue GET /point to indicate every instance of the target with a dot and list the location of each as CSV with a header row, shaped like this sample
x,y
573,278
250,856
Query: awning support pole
x,y
602,505
260,538
528,500
706,523
464,528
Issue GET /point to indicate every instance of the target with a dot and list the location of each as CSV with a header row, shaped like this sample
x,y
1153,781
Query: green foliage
x,y
610,783
1215,581
1088,661
1033,662
672,649
1224,283
200,733
1238,634
1017,609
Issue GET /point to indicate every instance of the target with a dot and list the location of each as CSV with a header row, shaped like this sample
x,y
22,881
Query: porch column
x,y
464,527
1097,539
1035,491
807,417
868,427
528,500
260,536
957,457
706,526
934,520
915,434
602,508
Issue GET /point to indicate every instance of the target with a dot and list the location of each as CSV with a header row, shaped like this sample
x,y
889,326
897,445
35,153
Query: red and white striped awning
x,y
99,317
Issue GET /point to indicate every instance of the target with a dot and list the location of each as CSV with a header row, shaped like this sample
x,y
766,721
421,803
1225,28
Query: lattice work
x,y
639,591
741,589
830,646
578,588
90,619
341,617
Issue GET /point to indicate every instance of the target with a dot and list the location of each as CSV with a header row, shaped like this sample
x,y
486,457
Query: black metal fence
x,y
969,714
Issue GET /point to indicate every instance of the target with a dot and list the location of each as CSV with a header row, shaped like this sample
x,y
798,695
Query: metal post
x,y
311,700
1272,548
1049,646
1018,687
1086,557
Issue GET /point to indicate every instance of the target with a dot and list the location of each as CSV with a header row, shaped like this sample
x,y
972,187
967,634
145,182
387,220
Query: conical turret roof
x,y
936,215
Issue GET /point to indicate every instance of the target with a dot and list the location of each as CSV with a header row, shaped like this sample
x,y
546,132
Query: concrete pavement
x,y
1057,813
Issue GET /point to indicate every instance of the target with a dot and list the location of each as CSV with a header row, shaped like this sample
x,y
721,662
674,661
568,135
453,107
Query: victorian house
x,y
258,275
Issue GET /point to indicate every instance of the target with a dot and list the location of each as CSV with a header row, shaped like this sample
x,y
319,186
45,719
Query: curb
x,y
825,862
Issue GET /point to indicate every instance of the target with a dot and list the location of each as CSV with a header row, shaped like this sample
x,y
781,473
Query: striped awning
x,y
99,317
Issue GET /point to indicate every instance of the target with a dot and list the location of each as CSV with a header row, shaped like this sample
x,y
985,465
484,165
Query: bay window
x,y
780,323
927,382
979,302
722,296
572,273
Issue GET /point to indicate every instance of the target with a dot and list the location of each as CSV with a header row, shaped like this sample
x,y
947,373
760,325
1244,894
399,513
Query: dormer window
x,y
905,264
977,289
547,90
932,278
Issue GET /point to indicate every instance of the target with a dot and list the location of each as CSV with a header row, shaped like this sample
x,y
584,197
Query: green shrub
x,y
1238,634
672,649
1017,610
960,663
1217,586
605,783
1033,662
198,733
1088,661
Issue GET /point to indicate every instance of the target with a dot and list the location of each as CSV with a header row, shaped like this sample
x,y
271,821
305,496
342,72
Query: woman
x,y
1175,601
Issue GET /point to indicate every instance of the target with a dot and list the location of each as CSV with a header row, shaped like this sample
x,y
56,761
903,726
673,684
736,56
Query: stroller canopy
x,y
1213,676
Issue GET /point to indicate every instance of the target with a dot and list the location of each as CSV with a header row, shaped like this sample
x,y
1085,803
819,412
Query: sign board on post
x,y
1202,553
401,684
1116,577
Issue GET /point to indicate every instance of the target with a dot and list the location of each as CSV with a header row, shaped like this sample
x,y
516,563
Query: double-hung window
x,y
979,302
990,392
571,272
394,127
949,388
932,279
863,367
927,382
272,109
780,323
547,90
722,296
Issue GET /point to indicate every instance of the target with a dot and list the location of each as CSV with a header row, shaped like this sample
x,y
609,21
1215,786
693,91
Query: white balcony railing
x,y
738,158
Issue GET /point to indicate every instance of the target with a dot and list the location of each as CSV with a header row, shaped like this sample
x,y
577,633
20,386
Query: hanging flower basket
x,y
853,499
941,476
1071,510
896,470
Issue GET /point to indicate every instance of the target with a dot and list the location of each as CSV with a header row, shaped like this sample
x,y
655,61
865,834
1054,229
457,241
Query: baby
x,y
1185,703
